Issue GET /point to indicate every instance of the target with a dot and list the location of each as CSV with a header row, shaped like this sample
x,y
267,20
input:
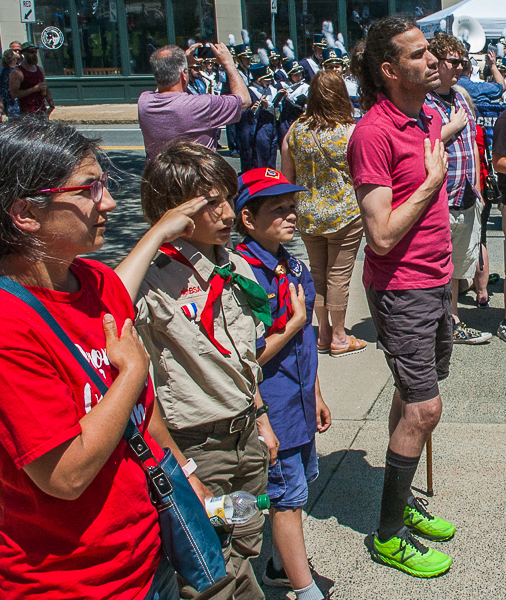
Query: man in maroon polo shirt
x,y
399,166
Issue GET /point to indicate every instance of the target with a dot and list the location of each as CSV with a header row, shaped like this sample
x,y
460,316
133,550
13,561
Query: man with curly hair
x,y
462,185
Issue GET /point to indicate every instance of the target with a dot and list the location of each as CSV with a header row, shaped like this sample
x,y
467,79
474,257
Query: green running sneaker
x,y
422,523
406,553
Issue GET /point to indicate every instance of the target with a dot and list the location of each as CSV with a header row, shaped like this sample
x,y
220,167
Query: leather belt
x,y
236,424
244,421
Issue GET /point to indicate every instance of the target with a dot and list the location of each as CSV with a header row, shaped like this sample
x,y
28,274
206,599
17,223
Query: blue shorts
x,y
289,477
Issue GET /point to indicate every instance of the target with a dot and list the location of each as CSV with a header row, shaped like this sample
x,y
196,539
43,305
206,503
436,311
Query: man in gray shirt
x,y
170,113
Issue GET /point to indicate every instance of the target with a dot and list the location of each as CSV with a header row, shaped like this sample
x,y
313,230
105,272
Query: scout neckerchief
x,y
284,304
255,294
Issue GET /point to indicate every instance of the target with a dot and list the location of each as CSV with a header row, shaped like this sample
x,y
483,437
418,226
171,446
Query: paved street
x,y
469,443
122,136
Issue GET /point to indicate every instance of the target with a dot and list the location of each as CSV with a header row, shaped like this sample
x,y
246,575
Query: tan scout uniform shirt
x,y
195,383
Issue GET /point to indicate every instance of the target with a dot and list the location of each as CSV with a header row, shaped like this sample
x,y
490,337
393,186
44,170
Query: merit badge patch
x,y
295,267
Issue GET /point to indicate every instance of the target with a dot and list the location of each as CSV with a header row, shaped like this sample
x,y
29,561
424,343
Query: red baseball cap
x,y
262,182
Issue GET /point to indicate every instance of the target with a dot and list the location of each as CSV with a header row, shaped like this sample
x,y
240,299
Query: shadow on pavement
x,y
126,223
353,495
365,330
486,319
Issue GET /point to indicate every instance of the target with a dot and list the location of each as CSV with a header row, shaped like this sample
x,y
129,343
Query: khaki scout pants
x,y
227,463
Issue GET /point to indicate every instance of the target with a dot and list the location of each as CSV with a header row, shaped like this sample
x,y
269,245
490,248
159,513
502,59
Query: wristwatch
x,y
189,468
262,410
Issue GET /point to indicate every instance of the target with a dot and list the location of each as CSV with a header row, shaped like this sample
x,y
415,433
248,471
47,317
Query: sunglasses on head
x,y
96,188
455,62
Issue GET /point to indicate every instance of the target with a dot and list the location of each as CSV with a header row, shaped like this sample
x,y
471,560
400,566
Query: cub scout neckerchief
x,y
255,294
284,304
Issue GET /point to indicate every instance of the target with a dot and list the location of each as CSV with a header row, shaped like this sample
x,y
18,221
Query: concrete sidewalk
x,y
97,114
469,476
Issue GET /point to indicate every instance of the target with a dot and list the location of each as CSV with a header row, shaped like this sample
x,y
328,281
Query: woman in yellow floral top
x,y
314,156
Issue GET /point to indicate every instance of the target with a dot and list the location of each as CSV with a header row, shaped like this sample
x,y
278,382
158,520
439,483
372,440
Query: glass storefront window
x,y
418,8
54,13
99,34
194,19
310,15
259,22
260,25
147,31
312,21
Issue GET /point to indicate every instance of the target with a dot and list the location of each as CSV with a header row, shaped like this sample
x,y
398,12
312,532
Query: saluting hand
x,y
178,221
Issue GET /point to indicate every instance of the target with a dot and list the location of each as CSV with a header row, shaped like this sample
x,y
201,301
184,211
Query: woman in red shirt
x,y
76,519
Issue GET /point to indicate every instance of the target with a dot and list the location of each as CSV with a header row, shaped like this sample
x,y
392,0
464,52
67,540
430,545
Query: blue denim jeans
x,y
164,584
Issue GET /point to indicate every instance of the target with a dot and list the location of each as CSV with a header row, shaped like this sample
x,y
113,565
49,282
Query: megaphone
x,y
469,30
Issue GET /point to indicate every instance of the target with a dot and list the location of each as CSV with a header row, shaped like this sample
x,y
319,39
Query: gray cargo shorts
x,y
415,331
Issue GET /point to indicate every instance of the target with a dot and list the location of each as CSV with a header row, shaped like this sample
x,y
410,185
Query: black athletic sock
x,y
399,473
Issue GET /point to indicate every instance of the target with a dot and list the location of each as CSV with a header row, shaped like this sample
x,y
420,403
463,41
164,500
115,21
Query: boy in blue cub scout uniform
x,y
266,215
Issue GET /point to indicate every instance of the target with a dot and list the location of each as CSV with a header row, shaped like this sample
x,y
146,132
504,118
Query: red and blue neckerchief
x,y
284,304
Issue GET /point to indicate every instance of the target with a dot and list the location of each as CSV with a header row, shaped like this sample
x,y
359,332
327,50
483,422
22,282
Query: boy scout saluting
x,y
199,315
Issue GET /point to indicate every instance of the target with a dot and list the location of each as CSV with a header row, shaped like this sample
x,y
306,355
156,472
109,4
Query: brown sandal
x,y
355,347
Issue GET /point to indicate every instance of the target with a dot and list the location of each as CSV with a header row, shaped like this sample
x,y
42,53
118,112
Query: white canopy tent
x,y
491,14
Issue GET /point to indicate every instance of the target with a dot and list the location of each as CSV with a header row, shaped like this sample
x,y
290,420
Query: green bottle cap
x,y
263,502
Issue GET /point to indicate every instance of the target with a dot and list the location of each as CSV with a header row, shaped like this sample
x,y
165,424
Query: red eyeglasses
x,y
96,188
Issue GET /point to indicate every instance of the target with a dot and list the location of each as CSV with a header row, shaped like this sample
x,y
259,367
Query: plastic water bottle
x,y
235,508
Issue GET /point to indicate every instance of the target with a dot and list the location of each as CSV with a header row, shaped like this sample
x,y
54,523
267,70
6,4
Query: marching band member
x,y
259,137
311,65
213,85
332,60
244,56
294,102
275,62
196,85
